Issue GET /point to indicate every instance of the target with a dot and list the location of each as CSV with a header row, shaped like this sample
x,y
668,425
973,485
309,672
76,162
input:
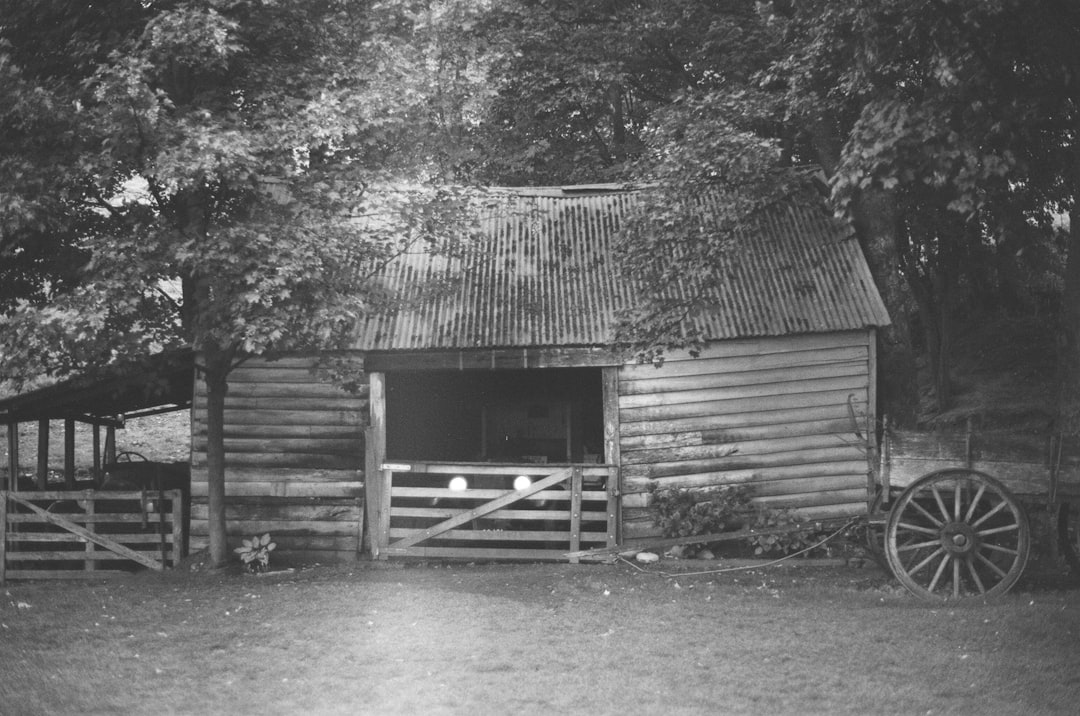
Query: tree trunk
x,y
216,371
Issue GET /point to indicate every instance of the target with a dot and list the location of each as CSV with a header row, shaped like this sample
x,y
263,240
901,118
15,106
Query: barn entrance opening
x,y
496,464
510,416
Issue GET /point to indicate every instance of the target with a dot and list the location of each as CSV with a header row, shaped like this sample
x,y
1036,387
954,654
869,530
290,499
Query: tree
x,y
220,143
968,120
48,48
576,85
945,127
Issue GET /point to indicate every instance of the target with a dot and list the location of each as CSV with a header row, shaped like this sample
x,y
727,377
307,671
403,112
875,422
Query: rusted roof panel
x,y
541,273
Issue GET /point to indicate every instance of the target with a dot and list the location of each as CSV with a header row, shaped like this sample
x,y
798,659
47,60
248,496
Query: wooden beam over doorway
x,y
493,359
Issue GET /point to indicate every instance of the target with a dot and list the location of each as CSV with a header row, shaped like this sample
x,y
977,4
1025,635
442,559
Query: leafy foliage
x,y
212,162
255,553
682,512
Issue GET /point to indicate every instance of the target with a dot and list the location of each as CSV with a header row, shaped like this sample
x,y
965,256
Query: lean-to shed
x,y
506,374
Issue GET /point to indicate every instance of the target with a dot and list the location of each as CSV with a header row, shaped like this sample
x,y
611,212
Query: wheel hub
x,y
959,538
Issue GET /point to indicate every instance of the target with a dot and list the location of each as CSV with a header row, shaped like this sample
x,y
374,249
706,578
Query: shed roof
x,y
155,384
543,274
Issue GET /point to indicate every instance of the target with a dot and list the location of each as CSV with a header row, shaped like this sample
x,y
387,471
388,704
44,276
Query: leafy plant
x,y
779,543
255,553
681,512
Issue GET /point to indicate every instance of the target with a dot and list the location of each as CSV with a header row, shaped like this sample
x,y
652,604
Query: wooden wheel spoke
x,y
975,576
928,560
938,572
956,501
918,528
940,502
998,548
998,530
997,508
918,545
991,565
974,503
933,520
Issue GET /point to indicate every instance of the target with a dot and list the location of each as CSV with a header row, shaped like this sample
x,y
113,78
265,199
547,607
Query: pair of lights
x,y
458,483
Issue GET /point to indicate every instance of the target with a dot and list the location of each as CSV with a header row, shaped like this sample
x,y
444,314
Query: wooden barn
x,y
495,422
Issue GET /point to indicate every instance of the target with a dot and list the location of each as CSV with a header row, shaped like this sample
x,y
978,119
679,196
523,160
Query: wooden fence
x,y
89,533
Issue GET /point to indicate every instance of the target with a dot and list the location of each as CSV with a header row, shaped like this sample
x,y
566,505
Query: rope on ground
x,y
850,523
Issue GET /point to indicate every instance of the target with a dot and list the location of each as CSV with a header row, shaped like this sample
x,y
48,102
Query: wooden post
x,y
575,512
873,455
568,433
372,493
3,537
13,456
377,482
383,529
91,526
612,451
69,453
43,454
177,526
97,456
110,445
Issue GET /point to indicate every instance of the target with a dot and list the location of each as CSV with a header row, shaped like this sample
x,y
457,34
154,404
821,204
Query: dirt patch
x,y
376,638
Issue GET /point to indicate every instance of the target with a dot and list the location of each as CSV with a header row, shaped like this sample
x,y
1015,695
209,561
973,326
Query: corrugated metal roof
x,y
542,273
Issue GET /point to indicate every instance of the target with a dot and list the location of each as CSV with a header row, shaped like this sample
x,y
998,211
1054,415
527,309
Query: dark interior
x,y
548,415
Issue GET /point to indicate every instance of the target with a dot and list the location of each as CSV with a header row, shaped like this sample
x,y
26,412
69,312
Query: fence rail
x,y
88,533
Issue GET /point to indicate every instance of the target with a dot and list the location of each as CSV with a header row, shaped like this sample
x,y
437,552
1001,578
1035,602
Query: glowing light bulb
x,y
458,484
522,482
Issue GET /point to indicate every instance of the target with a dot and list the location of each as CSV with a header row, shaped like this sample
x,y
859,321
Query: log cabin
x,y
494,420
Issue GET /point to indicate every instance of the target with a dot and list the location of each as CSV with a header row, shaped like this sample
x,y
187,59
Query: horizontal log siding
x,y
293,460
770,412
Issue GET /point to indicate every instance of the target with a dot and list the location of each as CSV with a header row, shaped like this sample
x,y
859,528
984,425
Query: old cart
x,y
950,509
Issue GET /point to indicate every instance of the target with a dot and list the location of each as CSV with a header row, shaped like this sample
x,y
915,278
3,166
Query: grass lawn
x,y
544,639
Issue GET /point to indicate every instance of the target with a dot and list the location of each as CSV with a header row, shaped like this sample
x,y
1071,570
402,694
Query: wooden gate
x,y
87,533
488,511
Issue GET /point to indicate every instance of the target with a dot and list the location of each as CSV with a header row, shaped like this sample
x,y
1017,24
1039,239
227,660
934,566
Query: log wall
x,y
293,460
775,413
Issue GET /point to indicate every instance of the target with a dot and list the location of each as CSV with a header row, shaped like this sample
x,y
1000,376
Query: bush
x,y
681,512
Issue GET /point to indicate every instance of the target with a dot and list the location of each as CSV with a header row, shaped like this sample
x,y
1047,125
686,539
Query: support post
x,y
383,529
13,456
91,526
612,452
69,453
43,454
377,481
110,445
177,527
575,512
98,477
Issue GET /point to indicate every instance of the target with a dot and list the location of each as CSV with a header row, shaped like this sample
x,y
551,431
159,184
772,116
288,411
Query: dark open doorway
x,y
550,415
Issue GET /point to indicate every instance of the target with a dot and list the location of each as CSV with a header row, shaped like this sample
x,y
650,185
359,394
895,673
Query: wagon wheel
x,y
1069,535
956,534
